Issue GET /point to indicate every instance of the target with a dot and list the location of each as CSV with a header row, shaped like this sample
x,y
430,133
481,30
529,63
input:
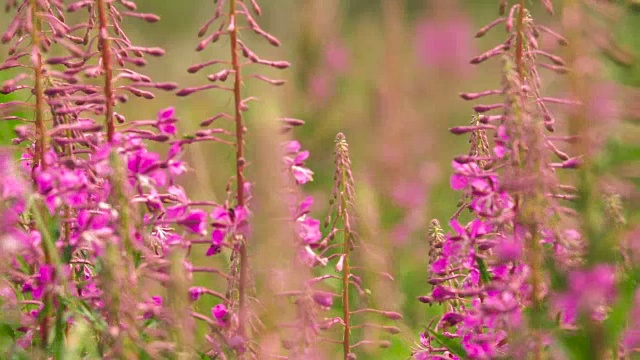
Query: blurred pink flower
x,y
445,43
336,57
603,102
335,62
321,86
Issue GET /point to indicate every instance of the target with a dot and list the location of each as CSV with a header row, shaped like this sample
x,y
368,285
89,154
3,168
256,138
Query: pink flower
x,y
336,57
40,281
166,121
227,221
195,221
443,41
323,298
220,314
152,307
295,159
196,292
308,229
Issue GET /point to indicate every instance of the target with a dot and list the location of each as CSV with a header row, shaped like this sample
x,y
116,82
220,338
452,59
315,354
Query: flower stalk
x,y
38,86
105,52
240,163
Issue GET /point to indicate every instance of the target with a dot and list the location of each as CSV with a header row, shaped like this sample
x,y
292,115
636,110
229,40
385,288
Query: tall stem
x,y
240,162
530,206
38,160
520,40
105,51
598,239
346,270
38,88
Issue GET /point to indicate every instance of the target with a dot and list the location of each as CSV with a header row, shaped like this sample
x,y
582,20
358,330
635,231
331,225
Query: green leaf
x,y
618,153
578,345
57,346
618,319
203,356
7,330
7,126
453,345
484,273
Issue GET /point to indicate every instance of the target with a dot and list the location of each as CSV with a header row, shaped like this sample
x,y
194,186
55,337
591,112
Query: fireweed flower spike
x,y
231,221
72,188
120,215
341,221
489,269
98,233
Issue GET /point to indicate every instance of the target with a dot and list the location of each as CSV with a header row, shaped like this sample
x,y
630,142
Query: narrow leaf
x,y
453,345
484,273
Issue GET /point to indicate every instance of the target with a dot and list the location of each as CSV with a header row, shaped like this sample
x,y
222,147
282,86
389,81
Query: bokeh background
x,y
387,73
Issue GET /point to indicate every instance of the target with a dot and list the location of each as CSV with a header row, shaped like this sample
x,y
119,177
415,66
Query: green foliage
x,y
484,273
453,345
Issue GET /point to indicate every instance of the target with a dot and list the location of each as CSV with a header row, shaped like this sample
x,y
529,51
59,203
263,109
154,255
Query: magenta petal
x,y
455,225
156,300
166,113
302,175
168,128
439,266
220,214
219,311
45,182
213,249
195,292
502,133
305,205
309,230
478,228
508,251
178,192
241,214
217,237
292,147
481,186
175,150
457,167
195,221
301,157
458,182
174,212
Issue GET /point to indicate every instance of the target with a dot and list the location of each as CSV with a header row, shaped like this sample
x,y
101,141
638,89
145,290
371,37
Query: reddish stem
x,y
520,40
38,160
38,89
105,51
240,162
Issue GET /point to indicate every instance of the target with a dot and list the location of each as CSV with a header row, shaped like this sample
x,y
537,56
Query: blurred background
x,y
387,73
